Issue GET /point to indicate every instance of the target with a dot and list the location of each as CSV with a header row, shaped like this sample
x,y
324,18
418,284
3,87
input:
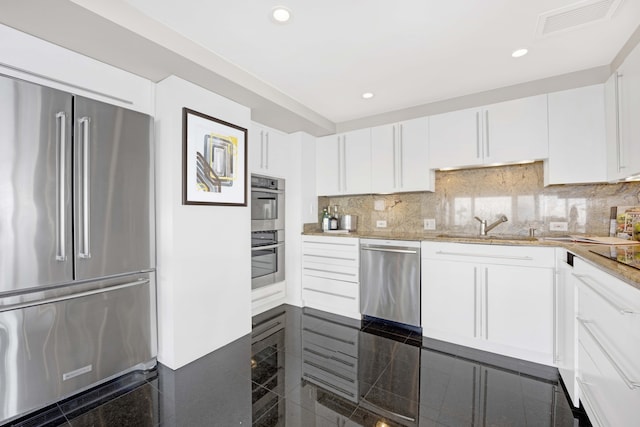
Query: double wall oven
x,y
267,231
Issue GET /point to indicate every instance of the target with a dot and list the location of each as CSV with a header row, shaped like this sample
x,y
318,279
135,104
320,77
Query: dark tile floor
x,y
309,368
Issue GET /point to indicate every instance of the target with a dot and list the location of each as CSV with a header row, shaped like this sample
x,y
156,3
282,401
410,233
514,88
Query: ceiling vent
x,y
575,15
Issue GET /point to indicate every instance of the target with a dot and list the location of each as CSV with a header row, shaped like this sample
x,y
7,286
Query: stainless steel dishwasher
x,y
390,280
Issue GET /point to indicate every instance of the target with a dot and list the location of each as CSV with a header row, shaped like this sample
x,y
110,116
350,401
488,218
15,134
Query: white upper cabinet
x,y
623,125
455,140
508,132
268,151
399,157
343,163
516,130
577,139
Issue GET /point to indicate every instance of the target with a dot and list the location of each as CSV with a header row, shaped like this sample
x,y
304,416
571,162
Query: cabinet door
x,y
356,172
519,309
384,160
276,153
328,165
449,309
577,137
413,153
256,153
268,151
454,139
566,328
516,130
629,104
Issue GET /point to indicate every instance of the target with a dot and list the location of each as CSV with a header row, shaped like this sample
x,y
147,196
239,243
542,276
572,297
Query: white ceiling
x,y
407,52
309,74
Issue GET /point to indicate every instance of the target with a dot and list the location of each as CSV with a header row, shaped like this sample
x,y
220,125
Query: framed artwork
x,y
214,156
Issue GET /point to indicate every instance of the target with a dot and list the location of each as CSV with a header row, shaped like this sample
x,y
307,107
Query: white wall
x,y
204,264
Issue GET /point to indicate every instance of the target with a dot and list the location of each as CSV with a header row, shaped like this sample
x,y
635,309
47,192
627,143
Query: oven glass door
x,y
263,262
267,258
264,204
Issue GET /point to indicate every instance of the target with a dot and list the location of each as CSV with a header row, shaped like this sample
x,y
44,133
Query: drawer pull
x,y
520,258
587,398
329,257
333,294
625,377
329,271
619,308
311,242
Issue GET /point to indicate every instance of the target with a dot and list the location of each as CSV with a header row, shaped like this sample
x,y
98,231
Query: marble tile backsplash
x,y
516,191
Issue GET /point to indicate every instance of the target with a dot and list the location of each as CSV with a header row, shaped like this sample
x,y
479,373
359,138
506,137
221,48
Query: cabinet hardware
x,y
629,382
333,294
466,254
620,309
586,396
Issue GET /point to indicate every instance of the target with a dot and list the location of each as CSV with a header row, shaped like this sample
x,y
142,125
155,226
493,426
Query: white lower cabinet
x,y
609,344
566,324
267,297
494,298
331,274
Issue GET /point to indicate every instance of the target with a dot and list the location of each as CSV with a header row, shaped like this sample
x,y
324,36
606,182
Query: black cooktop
x,y
629,255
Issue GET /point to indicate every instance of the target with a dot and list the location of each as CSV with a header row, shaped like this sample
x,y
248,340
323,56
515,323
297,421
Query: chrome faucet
x,y
484,228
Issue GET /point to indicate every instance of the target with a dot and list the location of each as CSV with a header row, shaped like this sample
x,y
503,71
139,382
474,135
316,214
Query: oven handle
x,y
266,190
277,245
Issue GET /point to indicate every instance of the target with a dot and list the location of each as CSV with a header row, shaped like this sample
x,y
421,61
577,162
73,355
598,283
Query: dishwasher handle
x,y
389,249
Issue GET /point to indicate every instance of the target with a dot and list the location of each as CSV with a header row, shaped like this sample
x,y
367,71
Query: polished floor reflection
x,y
309,368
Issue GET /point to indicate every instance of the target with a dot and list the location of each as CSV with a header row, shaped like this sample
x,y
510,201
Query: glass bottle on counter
x,y
333,219
325,220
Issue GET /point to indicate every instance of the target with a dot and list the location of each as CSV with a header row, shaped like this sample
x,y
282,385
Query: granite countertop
x,y
625,273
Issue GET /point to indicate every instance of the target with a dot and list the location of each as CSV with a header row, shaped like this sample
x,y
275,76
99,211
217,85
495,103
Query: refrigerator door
x,y
113,189
35,186
65,340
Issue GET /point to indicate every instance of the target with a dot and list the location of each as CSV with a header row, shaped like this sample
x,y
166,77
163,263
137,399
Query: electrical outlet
x,y
558,226
381,223
429,223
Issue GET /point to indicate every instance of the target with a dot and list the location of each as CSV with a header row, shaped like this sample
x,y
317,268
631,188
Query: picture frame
x,y
214,161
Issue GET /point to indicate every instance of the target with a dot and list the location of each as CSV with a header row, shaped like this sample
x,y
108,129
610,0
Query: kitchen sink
x,y
489,237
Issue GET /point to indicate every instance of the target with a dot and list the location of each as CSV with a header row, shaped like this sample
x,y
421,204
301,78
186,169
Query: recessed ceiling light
x,y
281,14
367,95
519,52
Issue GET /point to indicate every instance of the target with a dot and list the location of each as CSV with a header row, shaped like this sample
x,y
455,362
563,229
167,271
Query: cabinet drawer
x,y
328,271
609,401
341,244
611,310
527,256
331,258
333,296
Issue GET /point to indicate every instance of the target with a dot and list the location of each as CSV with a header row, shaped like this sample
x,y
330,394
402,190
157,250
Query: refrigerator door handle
x,y
72,296
85,251
61,254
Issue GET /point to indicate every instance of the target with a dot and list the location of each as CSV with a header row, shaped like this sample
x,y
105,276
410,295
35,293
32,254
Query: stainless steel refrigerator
x,y
77,245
